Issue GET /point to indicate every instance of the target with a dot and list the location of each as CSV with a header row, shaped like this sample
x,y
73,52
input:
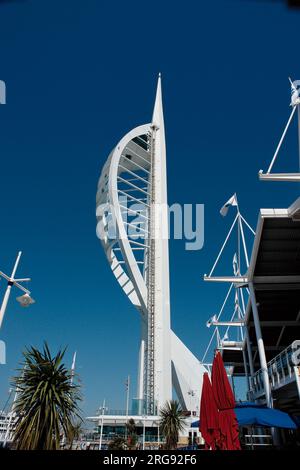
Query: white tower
x,y
133,227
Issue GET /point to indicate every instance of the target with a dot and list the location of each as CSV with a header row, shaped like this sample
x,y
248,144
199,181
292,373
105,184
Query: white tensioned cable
x,y
224,244
218,317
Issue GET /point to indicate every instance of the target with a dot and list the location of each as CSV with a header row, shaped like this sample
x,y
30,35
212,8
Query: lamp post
x,y
144,431
24,300
127,395
127,383
191,393
101,428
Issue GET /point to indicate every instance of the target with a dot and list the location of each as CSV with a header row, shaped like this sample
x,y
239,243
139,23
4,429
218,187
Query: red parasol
x,y
228,425
209,426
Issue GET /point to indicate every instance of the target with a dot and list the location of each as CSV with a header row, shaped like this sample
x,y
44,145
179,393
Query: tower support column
x,y
261,347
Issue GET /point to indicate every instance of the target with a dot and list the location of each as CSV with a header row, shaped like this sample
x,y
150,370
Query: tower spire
x,y
158,117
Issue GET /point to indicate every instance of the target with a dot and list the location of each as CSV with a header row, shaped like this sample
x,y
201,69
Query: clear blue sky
x,y
80,74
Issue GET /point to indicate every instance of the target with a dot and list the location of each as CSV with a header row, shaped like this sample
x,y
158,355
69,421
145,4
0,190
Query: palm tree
x,y
74,432
130,426
172,422
117,443
46,404
131,431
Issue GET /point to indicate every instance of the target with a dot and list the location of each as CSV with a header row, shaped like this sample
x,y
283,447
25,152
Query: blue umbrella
x,y
248,413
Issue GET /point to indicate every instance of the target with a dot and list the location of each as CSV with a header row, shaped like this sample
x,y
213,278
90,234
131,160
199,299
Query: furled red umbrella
x,y
209,425
228,425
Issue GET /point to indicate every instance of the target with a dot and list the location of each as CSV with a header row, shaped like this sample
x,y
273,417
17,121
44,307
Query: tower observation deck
x,y
132,223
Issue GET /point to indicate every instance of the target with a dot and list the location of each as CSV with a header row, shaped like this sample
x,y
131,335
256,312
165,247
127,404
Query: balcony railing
x,y
281,371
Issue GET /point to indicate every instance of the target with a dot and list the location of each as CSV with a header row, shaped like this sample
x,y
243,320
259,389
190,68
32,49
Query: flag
x,y
231,202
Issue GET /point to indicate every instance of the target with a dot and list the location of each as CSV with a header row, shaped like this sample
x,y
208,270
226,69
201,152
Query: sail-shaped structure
x,y
132,223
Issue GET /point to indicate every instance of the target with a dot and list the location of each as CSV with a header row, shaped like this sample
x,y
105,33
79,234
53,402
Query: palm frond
x,y
172,422
46,403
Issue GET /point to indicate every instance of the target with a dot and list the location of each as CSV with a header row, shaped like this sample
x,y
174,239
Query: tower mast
x,y
135,173
159,382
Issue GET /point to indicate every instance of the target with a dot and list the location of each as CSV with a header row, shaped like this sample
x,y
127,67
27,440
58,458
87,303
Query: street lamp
x,y
24,300
101,428
158,436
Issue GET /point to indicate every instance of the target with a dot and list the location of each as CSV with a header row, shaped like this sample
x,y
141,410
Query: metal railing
x,y
109,412
281,371
254,441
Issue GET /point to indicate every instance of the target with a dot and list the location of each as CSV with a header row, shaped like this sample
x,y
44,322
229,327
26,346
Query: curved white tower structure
x,y
133,227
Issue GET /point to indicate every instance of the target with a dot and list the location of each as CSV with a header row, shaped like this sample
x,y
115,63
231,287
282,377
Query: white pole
x,y
127,395
243,305
246,370
144,431
127,403
247,338
141,374
158,437
244,243
101,429
261,347
63,441
241,316
249,352
239,244
298,106
8,289
297,377
4,302
73,367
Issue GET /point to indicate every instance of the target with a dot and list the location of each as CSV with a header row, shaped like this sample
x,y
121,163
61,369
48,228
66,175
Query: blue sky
x,y
80,74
